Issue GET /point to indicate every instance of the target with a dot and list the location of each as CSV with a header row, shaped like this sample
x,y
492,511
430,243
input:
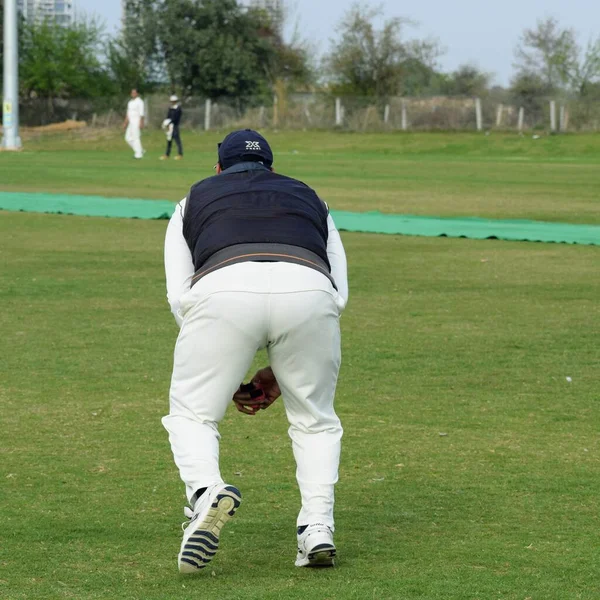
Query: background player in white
x,y
253,260
134,123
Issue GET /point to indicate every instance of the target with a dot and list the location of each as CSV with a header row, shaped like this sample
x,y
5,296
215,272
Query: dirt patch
x,y
69,125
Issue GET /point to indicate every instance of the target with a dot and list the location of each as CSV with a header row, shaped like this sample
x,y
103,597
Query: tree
x,y
124,68
420,75
291,64
530,91
370,62
467,80
586,77
554,56
62,61
548,52
135,53
214,48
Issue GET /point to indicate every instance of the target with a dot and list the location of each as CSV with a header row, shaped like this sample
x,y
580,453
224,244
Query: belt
x,y
262,253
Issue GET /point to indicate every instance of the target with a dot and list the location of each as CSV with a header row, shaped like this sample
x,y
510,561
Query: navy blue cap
x,y
244,145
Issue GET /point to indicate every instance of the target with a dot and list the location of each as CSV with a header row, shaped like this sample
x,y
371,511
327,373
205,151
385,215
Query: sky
x,y
479,32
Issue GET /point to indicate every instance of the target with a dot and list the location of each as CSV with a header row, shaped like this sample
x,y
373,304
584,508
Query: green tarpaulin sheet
x,y
371,222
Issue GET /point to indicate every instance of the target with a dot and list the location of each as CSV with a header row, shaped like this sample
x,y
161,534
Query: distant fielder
x,y
253,260
171,128
134,123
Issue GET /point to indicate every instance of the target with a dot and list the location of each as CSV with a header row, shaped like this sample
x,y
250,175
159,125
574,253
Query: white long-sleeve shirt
x,y
135,111
179,265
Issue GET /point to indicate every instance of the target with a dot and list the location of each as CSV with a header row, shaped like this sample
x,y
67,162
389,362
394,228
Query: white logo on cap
x,y
252,145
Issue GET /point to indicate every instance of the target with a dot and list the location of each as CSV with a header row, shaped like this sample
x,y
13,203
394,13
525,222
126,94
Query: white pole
x,y
10,106
386,114
521,118
404,116
207,107
499,111
338,111
552,115
478,114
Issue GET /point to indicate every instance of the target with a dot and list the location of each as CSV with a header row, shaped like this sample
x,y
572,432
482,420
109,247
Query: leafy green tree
x,y
530,91
62,61
124,68
420,75
291,63
467,80
214,48
134,58
419,79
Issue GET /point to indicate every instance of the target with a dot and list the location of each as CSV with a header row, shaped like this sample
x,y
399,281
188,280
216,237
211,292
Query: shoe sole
x,y
319,557
201,547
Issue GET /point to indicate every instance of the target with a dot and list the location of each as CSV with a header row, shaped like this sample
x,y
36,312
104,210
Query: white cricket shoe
x,y
315,546
201,536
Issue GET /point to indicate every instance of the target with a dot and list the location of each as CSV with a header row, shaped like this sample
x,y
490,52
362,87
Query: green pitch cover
x,y
369,222
89,206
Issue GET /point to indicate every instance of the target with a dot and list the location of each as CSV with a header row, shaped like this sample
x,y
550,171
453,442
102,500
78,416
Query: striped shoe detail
x,y
203,542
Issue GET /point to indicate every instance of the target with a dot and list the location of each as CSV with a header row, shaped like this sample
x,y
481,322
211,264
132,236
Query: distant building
x,y
61,12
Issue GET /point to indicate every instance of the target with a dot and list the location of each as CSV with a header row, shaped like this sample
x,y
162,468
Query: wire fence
x,y
322,111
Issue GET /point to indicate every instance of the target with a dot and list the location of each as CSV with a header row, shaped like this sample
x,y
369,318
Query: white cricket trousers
x,y
290,310
133,136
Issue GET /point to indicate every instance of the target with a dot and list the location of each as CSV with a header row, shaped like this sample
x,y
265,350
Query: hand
x,y
265,378
259,394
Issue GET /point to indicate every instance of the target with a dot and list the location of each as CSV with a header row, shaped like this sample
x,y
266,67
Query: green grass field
x,y
554,178
470,465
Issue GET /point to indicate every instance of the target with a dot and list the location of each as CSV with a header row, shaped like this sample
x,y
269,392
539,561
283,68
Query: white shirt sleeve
x,y
142,108
179,266
337,259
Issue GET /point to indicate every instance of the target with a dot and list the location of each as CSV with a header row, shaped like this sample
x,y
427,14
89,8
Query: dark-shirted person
x,y
171,128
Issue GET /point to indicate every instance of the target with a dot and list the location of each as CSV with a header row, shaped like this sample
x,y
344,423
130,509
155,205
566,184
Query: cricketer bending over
x,y
253,260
